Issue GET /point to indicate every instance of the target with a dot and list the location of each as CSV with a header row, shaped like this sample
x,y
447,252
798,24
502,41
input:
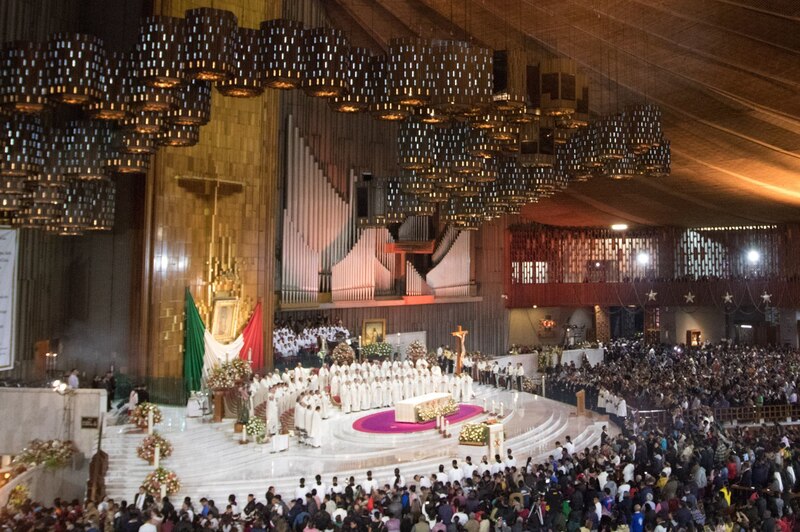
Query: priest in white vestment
x,y
272,415
315,432
345,397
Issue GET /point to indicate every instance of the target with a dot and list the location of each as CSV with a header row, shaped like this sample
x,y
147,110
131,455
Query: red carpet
x,y
384,423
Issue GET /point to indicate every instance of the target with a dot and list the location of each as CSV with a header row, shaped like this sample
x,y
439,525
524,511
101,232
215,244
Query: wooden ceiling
x,y
725,72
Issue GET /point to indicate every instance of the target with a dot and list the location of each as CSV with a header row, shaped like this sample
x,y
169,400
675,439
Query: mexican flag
x,y
202,352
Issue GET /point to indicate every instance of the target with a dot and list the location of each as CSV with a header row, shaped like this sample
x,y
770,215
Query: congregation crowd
x,y
689,474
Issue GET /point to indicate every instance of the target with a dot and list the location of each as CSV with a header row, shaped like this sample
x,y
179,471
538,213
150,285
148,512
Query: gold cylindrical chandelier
x,y
356,99
86,148
210,42
22,77
510,75
536,145
409,71
193,104
326,54
160,52
451,76
379,104
283,53
115,103
21,146
247,80
414,142
179,136
75,66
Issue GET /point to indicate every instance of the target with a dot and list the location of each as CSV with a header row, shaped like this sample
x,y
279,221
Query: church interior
x,y
232,227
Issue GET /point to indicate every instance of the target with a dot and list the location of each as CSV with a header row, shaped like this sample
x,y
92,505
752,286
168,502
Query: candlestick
x,y
437,422
150,422
157,456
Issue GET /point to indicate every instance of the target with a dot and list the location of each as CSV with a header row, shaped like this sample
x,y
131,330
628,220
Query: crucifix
x,y
461,334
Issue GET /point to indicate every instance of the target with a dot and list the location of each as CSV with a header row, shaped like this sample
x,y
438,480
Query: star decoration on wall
x,y
689,297
651,295
728,297
766,298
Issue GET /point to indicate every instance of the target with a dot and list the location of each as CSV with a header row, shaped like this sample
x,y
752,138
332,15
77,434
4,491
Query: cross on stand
x,y
461,334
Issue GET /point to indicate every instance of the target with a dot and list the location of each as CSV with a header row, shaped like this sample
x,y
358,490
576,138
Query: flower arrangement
x,y
139,415
377,350
147,449
528,385
474,434
153,481
255,427
343,354
228,374
19,494
416,350
426,412
53,454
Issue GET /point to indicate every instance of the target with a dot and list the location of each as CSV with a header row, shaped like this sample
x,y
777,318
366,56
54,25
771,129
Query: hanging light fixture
x,y
656,161
128,163
611,137
580,118
210,35
480,145
622,168
136,143
558,86
429,115
644,127
573,154
22,70
414,146
152,99
326,54
479,93
12,190
146,123
356,99
451,77
21,146
504,133
380,106
462,161
409,71
193,104
487,174
247,80
101,199
161,51
85,150
115,103
179,136
415,185
536,145
510,73
75,65
283,57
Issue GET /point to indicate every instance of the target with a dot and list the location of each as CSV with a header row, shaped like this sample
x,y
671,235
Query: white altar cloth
x,y
405,411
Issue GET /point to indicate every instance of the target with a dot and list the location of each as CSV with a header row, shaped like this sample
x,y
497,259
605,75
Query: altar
x,y
406,411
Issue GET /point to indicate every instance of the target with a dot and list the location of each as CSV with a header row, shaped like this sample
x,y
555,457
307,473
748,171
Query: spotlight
x,y
753,256
642,258
596,264
619,227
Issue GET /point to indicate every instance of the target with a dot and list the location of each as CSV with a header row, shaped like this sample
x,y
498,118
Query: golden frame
x,y
224,319
368,326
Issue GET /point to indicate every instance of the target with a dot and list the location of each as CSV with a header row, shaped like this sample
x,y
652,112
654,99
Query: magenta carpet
x,y
384,423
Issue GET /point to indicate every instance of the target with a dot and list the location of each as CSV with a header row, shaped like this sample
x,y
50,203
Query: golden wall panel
x,y
240,144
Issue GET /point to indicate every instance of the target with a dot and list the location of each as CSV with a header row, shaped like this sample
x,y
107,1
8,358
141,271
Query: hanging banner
x,y
8,289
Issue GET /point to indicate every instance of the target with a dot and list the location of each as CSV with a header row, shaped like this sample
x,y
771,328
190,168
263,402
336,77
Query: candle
x,y
157,456
163,490
244,434
150,422
501,409
484,404
494,406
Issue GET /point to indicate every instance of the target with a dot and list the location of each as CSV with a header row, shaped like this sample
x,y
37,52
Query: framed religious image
x,y
224,319
373,331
